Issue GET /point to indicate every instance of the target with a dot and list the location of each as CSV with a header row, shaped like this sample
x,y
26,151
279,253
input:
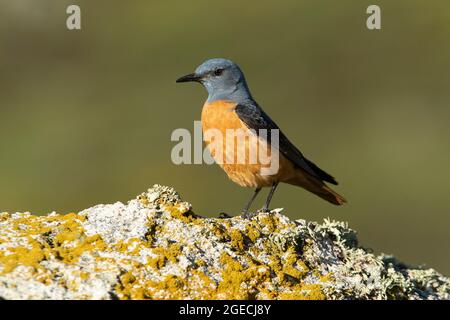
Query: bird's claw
x,y
247,215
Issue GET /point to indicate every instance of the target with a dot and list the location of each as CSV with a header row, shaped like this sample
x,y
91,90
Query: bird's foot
x,y
247,215
263,210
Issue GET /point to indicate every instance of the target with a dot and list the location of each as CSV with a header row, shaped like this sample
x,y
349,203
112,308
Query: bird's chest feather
x,y
221,128
220,115
220,124
232,145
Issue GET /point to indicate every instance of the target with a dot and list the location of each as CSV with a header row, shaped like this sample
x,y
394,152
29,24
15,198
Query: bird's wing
x,y
255,118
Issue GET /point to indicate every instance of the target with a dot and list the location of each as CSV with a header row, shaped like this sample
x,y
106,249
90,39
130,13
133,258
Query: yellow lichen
x,y
219,231
172,286
181,212
239,281
252,232
171,254
65,242
71,254
304,292
4,216
16,256
279,273
200,263
152,229
68,232
131,246
128,288
237,239
269,222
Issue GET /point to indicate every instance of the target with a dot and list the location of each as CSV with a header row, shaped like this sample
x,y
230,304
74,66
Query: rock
x,y
156,247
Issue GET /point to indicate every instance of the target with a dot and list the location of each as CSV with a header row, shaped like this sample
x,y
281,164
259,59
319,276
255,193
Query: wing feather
x,y
255,118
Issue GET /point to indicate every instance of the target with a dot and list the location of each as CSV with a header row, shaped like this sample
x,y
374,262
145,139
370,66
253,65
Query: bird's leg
x,y
269,197
247,207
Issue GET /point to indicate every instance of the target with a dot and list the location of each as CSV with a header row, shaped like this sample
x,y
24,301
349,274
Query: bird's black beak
x,y
189,78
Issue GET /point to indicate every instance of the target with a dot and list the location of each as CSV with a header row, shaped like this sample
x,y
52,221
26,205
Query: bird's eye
x,y
218,72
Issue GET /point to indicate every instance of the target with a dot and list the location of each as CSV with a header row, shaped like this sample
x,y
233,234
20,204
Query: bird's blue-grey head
x,y
222,78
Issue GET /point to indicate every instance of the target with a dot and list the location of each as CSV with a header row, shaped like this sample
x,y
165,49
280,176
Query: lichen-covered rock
x,y
155,247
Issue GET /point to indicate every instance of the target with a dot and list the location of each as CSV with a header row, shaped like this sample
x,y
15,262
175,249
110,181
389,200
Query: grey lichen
x,y
155,247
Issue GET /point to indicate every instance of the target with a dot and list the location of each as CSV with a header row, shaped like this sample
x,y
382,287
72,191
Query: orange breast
x,y
237,150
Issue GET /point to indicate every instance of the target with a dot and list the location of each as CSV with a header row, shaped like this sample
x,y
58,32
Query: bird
x,y
230,106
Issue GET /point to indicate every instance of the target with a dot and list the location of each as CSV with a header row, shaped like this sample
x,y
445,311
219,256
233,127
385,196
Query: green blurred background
x,y
86,116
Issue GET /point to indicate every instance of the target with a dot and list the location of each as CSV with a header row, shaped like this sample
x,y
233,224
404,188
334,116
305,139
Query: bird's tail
x,y
317,187
331,196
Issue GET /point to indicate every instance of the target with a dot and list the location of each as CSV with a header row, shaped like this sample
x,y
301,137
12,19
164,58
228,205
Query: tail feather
x,y
321,174
318,187
331,196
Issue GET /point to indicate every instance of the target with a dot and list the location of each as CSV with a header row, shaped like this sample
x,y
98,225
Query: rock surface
x,y
155,247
